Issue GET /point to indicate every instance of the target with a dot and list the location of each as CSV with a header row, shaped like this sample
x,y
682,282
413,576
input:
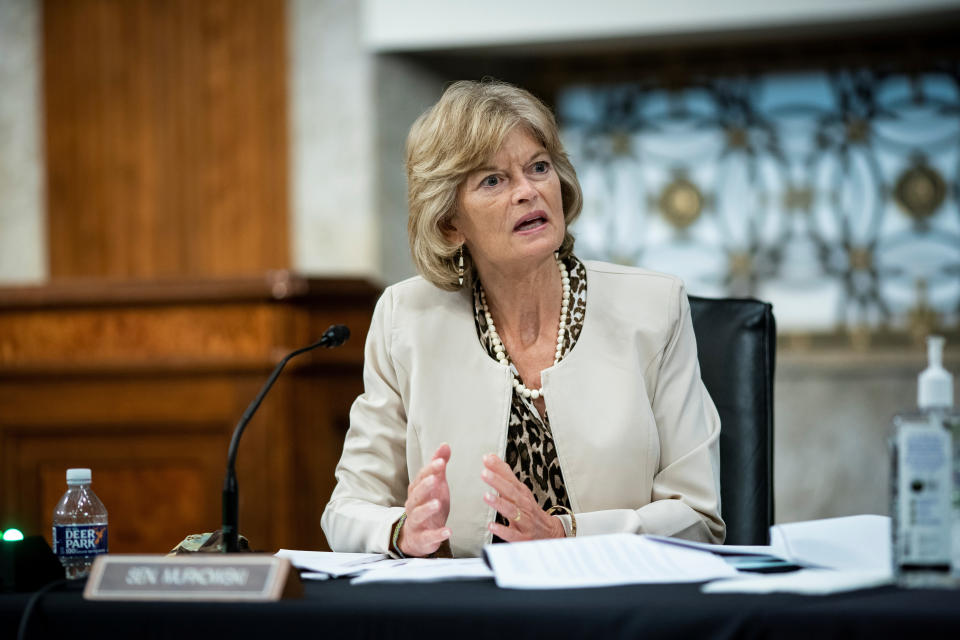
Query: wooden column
x,y
166,137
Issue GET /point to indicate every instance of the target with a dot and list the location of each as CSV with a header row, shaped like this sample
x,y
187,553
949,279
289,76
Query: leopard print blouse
x,y
530,449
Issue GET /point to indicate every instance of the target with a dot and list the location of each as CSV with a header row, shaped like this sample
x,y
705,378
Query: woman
x,y
513,392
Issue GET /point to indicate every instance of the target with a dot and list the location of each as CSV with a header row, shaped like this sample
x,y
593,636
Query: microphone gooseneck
x,y
335,336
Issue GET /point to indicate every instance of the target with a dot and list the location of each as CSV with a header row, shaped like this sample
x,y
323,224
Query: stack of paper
x,y
376,567
813,582
859,543
842,554
838,554
319,565
426,570
599,561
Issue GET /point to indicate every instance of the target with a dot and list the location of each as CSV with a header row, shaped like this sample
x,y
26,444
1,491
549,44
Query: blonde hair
x,y
453,138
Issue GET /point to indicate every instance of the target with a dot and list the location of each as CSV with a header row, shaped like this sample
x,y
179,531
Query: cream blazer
x,y
635,430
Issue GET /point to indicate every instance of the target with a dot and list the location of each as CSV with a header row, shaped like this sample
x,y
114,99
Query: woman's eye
x,y
490,181
541,167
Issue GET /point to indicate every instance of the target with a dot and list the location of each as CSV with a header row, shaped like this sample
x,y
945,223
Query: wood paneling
x,y
146,392
166,137
153,485
166,154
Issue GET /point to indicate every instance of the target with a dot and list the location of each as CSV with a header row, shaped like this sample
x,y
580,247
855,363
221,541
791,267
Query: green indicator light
x,y
12,535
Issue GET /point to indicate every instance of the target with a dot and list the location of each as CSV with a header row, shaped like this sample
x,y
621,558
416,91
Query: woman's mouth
x,y
530,222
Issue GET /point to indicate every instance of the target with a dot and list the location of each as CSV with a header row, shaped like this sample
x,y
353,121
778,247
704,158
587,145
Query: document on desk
x,y
750,558
840,554
811,582
376,567
719,549
333,564
599,561
855,543
426,570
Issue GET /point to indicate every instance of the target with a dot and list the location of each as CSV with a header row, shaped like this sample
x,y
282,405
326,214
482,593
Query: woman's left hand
x,y
515,502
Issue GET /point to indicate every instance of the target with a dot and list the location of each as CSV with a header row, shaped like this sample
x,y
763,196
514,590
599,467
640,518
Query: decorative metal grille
x,y
832,194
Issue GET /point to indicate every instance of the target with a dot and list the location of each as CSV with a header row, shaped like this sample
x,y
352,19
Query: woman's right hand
x,y
427,508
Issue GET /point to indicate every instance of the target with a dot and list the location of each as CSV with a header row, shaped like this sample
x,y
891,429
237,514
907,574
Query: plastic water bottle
x,y
79,525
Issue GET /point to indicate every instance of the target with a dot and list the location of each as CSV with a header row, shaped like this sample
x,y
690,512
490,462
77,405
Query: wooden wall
x,y
169,303
144,381
166,137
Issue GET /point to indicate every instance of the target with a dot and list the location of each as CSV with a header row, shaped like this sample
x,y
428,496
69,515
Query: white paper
x,y
599,561
857,543
314,575
805,581
848,553
425,570
331,563
719,549
851,553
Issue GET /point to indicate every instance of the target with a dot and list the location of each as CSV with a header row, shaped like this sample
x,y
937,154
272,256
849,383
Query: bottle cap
x,y
78,476
935,384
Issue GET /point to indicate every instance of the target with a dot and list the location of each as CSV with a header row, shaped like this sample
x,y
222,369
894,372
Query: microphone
x,y
335,336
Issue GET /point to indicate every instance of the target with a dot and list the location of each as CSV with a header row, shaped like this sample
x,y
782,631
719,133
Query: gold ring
x,y
517,519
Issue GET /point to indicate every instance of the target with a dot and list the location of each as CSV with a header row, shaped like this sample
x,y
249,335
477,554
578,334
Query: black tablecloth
x,y
335,609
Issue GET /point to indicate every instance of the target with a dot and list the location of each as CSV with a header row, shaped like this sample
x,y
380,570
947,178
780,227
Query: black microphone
x,y
335,336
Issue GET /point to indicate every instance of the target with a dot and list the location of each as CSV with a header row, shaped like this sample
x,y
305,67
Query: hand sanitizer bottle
x,y
924,493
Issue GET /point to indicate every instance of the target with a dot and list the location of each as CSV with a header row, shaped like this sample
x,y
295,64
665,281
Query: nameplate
x,y
196,577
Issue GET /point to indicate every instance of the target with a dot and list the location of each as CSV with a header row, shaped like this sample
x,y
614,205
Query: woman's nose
x,y
523,190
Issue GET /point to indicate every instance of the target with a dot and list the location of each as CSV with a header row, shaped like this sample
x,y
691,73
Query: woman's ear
x,y
450,232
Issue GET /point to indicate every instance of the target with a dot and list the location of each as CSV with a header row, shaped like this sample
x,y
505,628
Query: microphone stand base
x,y
211,542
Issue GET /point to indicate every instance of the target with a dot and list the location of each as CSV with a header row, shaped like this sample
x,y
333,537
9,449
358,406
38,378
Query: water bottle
x,y
79,525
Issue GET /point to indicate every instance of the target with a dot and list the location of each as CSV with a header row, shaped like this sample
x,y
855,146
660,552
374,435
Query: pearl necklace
x,y
501,352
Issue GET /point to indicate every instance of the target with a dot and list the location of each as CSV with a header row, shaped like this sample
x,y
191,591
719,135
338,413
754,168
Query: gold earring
x,y
460,264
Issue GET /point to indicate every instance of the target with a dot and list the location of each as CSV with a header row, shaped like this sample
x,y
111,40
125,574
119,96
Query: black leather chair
x,y
736,347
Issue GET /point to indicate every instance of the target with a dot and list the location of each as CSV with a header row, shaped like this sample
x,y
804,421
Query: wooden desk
x,y
143,382
478,609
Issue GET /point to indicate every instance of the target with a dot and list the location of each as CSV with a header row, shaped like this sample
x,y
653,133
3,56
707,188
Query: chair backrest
x,y
736,347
